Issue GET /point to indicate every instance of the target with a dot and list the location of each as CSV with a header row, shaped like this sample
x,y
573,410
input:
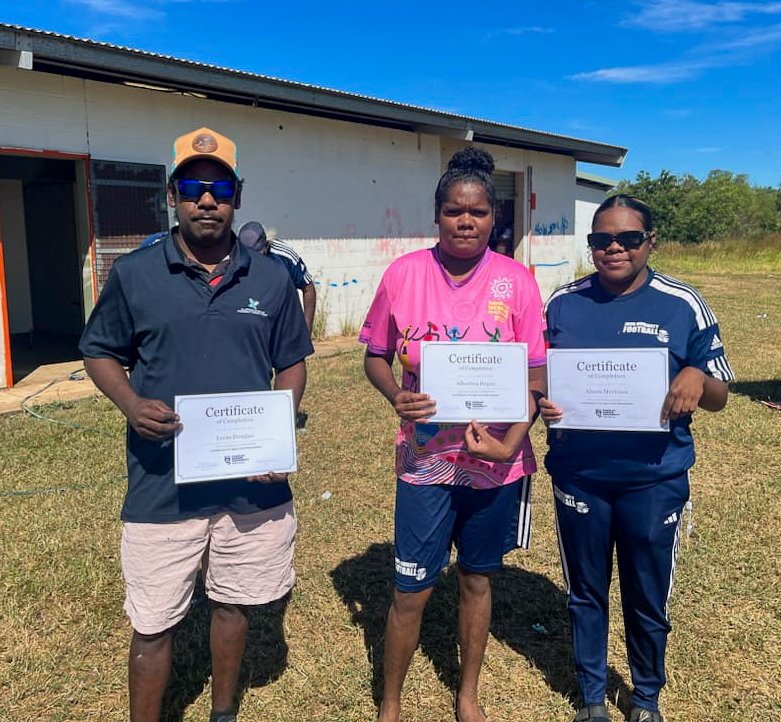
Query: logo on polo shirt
x,y
252,307
716,343
650,329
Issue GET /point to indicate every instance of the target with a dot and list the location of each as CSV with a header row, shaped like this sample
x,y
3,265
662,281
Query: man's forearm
x,y
110,377
310,301
293,378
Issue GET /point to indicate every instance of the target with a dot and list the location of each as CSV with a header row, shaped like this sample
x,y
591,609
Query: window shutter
x,y
128,203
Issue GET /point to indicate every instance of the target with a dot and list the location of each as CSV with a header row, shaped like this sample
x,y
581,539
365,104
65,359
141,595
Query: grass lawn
x,y
63,635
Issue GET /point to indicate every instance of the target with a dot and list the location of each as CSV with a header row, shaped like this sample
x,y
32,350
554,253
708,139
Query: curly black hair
x,y
470,165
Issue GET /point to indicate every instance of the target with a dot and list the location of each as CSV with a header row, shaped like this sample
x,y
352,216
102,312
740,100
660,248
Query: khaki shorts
x,y
247,559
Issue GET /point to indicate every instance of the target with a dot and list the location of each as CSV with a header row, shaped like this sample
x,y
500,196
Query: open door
x,y
45,236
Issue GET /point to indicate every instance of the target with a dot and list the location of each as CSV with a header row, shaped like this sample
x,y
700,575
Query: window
x,y
128,203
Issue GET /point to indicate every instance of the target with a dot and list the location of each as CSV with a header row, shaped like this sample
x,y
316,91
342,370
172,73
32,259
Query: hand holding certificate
x,y
233,436
484,381
609,389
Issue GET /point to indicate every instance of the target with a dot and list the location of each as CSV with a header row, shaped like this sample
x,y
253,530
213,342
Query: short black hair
x,y
622,200
470,165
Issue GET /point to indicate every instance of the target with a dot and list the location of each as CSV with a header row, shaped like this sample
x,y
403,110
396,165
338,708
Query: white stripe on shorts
x,y
562,553
525,513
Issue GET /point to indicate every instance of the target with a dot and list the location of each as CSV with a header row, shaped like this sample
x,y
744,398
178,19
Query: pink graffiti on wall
x,y
391,244
548,242
336,246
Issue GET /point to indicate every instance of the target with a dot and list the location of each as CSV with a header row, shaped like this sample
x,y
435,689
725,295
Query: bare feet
x,y
468,710
389,712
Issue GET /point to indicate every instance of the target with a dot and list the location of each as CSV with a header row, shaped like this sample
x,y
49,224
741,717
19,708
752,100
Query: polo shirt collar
x,y
173,255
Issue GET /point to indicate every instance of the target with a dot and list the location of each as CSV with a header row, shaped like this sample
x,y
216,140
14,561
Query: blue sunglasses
x,y
192,190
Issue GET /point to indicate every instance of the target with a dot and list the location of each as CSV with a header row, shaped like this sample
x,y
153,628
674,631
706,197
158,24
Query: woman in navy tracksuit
x,y
627,490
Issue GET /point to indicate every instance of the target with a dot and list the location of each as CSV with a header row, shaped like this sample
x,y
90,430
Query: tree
x,y
722,206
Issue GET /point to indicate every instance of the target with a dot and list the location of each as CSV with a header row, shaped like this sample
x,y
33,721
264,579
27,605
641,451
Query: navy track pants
x,y
643,523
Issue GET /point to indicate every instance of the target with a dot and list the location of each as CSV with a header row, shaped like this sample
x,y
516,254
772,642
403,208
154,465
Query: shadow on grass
x,y
768,390
522,601
265,655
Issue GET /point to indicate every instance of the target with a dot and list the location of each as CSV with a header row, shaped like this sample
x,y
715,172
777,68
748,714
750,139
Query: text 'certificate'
x,y
609,389
484,381
232,436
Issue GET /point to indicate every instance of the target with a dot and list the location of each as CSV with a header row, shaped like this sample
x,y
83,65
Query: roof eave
x,y
71,56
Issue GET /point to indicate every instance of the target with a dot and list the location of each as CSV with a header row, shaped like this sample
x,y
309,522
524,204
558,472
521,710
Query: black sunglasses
x,y
628,240
192,190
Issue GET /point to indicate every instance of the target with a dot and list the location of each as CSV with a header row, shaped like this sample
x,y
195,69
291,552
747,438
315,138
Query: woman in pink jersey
x,y
447,491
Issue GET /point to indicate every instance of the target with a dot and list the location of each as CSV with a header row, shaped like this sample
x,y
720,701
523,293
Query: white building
x,y
590,191
85,140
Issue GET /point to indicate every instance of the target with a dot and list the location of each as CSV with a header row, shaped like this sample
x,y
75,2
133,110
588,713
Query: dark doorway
x,y
503,240
43,260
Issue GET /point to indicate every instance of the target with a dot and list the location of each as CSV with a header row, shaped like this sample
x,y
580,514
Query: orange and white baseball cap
x,y
205,143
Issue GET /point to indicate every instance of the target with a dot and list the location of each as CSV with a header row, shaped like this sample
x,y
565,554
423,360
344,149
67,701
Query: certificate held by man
x,y
236,435
609,389
487,381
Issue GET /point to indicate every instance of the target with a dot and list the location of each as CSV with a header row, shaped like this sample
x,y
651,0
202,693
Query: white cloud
x,y
735,49
709,149
756,39
515,32
662,74
533,29
122,9
132,10
683,15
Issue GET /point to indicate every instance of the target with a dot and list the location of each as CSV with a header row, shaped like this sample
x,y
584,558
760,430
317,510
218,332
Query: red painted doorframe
x,y
9,368
35,153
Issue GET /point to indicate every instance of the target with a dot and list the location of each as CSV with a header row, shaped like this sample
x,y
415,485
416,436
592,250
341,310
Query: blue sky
x,y
687,86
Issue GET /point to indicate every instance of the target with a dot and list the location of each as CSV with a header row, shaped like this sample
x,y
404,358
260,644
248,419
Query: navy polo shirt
x,y
662,313
178,335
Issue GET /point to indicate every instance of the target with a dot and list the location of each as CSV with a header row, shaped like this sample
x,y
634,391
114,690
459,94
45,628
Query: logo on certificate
x,y
234,459
606,413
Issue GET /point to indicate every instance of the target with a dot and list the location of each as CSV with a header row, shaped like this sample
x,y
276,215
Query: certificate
x,y
609,389
232,436
484,381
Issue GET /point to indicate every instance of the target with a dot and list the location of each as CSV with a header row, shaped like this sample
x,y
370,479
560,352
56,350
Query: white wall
x,y
17,273
552,254
552,246
587,200
348,197
314,178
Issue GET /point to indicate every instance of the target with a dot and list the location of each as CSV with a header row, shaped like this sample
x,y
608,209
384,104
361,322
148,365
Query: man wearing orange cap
x,y
196,313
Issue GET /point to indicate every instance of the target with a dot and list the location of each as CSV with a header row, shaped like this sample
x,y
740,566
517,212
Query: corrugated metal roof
x,y
66,54
597,181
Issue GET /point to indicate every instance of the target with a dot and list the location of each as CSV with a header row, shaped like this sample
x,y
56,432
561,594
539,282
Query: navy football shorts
x,y
483,524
